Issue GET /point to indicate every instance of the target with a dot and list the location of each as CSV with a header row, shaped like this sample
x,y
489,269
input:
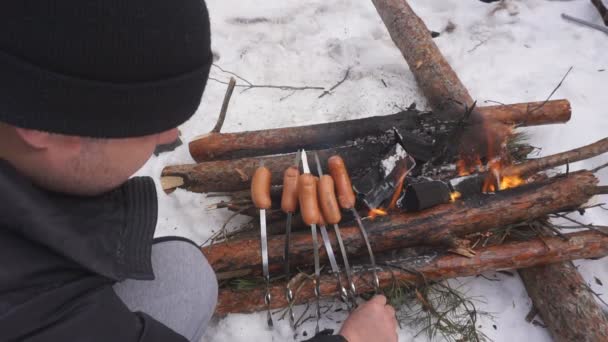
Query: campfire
x,y
450,179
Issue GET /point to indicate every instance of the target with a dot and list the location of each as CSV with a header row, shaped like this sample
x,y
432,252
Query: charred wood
x,y
224,146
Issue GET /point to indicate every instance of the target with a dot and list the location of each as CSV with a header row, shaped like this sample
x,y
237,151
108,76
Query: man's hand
x,y
372,321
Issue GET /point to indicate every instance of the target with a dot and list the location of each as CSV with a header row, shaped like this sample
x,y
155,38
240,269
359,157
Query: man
x,y
88,89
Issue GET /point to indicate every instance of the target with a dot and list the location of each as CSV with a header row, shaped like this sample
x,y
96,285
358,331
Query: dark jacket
x,y
60,256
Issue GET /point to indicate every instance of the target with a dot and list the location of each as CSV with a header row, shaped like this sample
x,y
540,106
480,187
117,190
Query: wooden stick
x,y
564,300
439,225
215,146
533,166
224,110
511,255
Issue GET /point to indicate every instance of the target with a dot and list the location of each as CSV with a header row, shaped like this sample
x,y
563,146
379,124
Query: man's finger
x,y
379,300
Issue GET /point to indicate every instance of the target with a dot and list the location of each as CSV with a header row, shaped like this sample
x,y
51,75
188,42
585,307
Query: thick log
x,y
602,9
439,225
223,146
234,175
435,77
511,255
533,166
565,303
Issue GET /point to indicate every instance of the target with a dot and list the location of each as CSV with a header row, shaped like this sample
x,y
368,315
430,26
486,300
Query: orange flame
x,y
496,153
373,213
455,195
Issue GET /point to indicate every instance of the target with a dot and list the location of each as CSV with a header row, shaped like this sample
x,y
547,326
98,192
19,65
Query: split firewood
x,y
599,4
439,225
565,301
512,255
234,175
223,146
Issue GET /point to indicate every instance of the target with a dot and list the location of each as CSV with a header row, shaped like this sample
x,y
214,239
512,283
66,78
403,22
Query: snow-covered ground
x,y
509,52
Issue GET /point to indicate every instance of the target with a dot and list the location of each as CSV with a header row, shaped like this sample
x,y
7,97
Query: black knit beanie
x,y
102,68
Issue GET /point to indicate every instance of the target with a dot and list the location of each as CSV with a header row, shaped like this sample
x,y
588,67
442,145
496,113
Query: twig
x,y
553,92
227,97
232,73
222,231
589,226
281,87
597,295
601,167
585,23
327,92
602,190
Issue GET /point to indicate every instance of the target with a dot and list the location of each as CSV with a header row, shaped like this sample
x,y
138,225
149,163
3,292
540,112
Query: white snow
x,y
516,51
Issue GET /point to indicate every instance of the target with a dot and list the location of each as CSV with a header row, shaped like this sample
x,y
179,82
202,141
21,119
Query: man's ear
x,y
43,140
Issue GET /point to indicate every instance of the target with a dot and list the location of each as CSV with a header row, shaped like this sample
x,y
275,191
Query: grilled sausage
x,y
289,198
328,203
307,196
260,188
344,187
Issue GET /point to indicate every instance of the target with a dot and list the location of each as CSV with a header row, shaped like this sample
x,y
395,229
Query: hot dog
x,y
344,187
260,188
289,198
328,203
307,196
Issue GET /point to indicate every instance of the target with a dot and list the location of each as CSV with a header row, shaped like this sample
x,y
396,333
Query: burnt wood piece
x,y
535,165
510,255
224,146
421,196
602,9
235,175
565,302
439,225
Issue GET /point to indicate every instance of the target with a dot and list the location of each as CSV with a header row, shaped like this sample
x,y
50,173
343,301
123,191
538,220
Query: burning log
x,y
565,302
223,146
511,255
439,225
234,175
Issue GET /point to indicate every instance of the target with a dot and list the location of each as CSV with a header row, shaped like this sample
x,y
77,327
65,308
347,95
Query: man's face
x,y
78,165
103,165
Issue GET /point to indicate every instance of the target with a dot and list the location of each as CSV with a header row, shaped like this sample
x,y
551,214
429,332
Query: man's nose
x,y
168,137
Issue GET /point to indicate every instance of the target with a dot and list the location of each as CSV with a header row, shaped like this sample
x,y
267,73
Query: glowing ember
x,y
511,182
376,212
455,195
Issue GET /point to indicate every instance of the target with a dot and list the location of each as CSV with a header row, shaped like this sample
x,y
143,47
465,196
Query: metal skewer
x,y
261,183
315,244
288,291
328,247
